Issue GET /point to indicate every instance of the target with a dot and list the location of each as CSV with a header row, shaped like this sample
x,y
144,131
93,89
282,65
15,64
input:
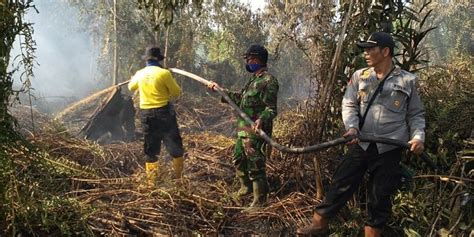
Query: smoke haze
x,y
65,53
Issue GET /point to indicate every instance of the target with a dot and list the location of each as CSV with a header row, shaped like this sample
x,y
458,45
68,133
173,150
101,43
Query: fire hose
x,y
299,150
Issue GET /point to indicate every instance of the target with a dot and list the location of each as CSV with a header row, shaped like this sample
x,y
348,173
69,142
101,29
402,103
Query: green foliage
x,y
134,34
310,30
165,10
7,135
447,95
408,22
12,26
229,29
453,35
448,98
33,194
410,31
209,38
350,223
411,212
211,43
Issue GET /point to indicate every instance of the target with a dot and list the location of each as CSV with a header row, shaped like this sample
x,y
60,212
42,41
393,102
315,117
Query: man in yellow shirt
x,y
156,86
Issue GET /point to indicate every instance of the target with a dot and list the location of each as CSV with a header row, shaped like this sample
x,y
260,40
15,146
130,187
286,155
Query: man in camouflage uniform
x,y
258,99
395,112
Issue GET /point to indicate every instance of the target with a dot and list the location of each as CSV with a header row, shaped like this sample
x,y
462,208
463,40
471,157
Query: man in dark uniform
x,y
258,99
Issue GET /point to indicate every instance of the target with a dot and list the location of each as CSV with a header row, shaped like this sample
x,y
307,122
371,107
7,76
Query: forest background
x,y
312,53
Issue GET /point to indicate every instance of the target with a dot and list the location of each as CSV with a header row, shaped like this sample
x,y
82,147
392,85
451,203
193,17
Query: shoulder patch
x,y
365,74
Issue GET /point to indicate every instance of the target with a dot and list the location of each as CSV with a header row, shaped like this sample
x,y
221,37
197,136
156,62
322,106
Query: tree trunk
x,y
166,46
115,66
318,177
156,31
326,98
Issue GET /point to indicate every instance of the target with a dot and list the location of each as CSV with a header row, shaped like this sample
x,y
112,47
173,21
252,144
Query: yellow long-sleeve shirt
x,y
155,85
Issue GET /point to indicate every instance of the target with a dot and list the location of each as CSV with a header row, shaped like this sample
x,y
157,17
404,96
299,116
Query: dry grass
x,y
202,202
110,180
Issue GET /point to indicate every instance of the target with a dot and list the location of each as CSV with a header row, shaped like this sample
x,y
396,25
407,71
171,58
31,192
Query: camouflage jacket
x,y
258,99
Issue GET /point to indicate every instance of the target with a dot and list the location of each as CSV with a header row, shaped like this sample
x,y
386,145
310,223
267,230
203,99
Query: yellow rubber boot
x,y
151,169
178,164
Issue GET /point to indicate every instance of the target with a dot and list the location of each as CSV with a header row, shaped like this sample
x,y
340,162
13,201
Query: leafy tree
x,y
453,36
327,34
13,27
204,37
28,205
231,28
164,11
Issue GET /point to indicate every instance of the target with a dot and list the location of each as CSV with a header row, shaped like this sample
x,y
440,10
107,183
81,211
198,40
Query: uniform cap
x,y
380,39
257,50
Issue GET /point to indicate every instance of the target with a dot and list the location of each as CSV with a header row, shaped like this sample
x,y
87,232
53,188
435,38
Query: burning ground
x,y
107,180
95,189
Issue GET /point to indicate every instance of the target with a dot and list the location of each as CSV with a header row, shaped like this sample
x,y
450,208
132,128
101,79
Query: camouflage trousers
x,y
249,157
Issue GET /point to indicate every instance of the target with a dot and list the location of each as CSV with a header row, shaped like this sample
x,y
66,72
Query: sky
x,y
255,4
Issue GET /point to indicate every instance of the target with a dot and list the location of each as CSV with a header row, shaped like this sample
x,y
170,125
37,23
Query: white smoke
x,y
65,53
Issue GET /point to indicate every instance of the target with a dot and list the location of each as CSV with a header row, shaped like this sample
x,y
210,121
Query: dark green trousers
x,y
249,158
